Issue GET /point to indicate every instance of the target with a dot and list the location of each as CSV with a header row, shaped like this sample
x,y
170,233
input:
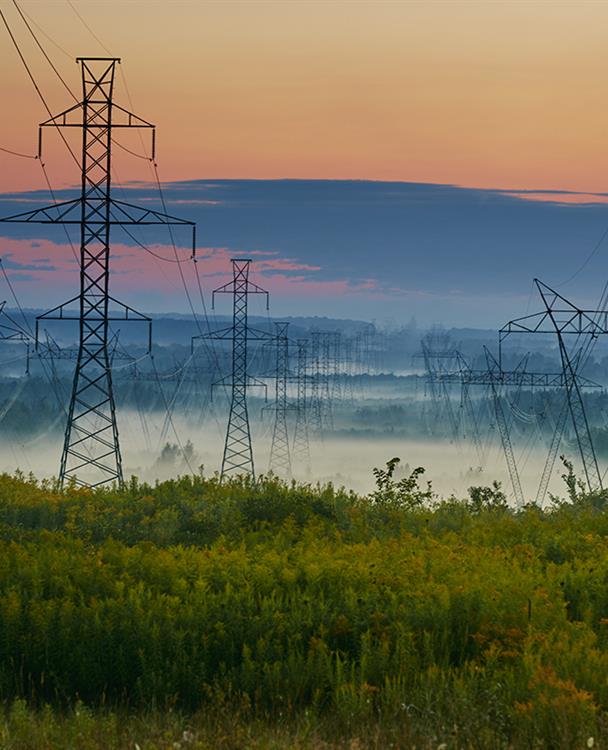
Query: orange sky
x,y
511,94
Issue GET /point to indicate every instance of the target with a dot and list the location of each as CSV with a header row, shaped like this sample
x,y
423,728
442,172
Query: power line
x,y
66,86
52,192
170,415
133,153
17,153
183,279
41,48
46,177
586,261
36,87
50,39
89,29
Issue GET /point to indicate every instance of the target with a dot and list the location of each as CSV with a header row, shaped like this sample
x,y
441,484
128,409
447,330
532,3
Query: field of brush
x,y
256,615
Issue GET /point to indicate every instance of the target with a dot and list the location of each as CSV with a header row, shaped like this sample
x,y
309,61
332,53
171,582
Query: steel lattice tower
x,y
91,441
335,344
238,452
327,415
495,379
440,358
347,371
563,318
301,442
280,460
315,397
358,369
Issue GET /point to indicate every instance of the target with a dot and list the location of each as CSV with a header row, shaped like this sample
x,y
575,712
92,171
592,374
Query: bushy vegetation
x,y
200,614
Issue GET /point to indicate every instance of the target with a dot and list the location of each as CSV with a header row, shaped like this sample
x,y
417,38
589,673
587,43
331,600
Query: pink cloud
x,y
48,274
184,201
561,198
284,264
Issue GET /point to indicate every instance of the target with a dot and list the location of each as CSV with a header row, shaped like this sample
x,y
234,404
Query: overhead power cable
x,y
89,29
36,87
170,415
49,38
133,153
41,48
154,168
587,259
17,153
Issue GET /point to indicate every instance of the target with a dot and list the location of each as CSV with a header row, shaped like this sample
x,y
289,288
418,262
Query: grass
x,y
260,615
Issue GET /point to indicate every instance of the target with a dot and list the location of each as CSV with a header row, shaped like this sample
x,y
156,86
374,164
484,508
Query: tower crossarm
x,y
559,316
119,312
251,382
73,117
240,283
121,214
226,334
221,334
515,378
577,322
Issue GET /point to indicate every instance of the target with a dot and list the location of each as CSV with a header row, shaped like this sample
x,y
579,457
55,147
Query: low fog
x,y
157,448
384,400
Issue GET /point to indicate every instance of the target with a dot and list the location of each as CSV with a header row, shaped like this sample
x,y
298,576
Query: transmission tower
x,y
335,354
358,365
238,452
91,443
316,412
280,461
326,372
563,318
345,371
495,378
301,443
441,359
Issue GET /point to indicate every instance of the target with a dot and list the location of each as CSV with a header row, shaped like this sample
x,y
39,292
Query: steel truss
x,y
238,452
495,378
280,458
91,443
301,441
564,319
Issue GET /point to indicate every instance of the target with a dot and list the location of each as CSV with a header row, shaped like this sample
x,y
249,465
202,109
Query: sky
x,y
456,120
384,251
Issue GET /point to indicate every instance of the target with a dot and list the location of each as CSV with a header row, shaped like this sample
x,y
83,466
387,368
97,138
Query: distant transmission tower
x,y
335,344
565,319
301,442
280,460
315,408
91,442
440,358
347,371
495,379
238,452
327,370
